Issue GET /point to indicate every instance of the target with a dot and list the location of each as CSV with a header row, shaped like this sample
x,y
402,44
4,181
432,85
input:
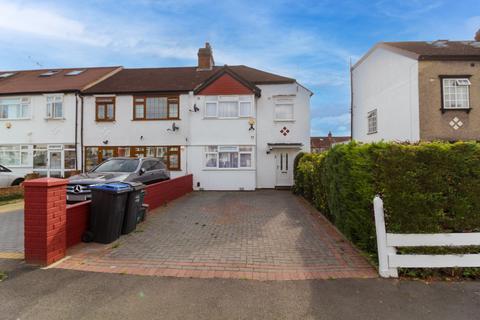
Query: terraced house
x,y
411,91
233,127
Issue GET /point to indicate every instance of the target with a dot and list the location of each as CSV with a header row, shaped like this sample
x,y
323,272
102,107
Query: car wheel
x,y
17,181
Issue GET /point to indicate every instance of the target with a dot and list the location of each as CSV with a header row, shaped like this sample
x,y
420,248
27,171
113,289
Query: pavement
x,y
65,294
11,230
260,235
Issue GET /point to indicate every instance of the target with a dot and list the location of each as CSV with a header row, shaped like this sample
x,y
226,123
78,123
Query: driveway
x,y
262,235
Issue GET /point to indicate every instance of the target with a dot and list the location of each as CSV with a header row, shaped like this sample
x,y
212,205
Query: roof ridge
x,y
47,69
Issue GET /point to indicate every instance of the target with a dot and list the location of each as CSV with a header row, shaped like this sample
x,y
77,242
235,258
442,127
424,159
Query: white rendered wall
x,y
268,130
388,82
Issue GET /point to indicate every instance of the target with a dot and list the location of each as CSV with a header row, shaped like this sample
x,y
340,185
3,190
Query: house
x,y
320,144
412,91
39,110
232,127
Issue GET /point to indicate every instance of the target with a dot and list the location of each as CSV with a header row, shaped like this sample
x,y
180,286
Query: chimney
x,y
477,35
329,134
205,58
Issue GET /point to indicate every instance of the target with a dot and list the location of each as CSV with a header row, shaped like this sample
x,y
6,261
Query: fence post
x,y
383,249
45,220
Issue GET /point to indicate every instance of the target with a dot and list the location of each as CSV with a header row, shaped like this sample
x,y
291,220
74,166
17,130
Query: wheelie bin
x,y
134,206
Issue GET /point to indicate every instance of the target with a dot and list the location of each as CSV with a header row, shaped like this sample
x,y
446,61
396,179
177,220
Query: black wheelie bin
x,y
108,210
134,206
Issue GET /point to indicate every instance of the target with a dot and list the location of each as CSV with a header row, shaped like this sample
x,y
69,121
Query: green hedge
x,y
428,187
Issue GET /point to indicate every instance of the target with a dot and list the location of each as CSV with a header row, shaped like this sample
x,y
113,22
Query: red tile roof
x,y
326,142
30,81
179,79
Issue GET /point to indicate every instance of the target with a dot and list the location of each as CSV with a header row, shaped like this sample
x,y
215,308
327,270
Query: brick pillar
x,y
45,220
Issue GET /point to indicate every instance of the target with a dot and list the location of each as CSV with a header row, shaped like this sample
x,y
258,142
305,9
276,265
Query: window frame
x,y
234,98
50,107
171,99
442,90
238,151
373,114
105,104
23,101
281,101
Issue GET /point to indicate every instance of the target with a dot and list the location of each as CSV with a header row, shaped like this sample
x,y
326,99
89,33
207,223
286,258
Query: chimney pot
x,y
205,58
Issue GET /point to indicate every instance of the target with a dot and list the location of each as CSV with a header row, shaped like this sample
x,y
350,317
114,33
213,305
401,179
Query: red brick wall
x,y
45,220
226,84
78,216
162,192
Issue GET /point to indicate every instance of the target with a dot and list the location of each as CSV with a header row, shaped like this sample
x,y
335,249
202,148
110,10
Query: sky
x,y
311,41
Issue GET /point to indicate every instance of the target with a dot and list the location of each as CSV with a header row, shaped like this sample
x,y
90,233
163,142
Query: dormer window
x,y
49,73
456,93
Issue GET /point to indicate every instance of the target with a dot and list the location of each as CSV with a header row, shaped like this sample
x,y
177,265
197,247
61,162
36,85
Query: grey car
x,y
145,170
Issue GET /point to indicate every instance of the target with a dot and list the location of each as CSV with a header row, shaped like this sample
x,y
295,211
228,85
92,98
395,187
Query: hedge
x,y
426,188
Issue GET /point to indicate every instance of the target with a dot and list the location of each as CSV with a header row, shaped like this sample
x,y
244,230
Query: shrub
x,y
427,187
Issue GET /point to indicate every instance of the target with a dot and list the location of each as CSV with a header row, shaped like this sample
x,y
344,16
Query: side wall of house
x,y
387,82
270,131
435,124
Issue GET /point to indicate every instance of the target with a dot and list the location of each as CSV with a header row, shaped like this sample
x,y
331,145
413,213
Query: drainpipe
x,y
76,130
81,134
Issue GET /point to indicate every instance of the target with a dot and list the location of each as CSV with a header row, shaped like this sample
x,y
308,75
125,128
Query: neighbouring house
x,y
232,127
320,144
39,116
411,91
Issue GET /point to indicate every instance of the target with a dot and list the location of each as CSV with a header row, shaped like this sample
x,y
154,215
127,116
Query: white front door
x,y
284,170
55,163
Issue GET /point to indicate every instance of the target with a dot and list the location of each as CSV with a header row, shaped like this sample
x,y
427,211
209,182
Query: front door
x,y
55,161
284,170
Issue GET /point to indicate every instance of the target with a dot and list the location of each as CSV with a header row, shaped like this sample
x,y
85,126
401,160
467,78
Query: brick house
x,y
411,91
320,144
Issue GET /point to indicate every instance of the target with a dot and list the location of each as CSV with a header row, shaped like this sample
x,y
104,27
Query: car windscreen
x,y
118,165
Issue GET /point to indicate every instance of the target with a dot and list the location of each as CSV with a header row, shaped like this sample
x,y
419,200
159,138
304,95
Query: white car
x,y
8,178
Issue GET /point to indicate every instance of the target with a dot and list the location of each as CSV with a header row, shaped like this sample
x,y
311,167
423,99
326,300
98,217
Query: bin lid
x,y
114,187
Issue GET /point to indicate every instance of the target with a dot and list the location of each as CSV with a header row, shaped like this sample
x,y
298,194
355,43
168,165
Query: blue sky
x,y
312,41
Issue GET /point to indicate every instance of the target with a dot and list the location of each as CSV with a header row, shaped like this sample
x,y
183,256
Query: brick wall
x,y
45,220
78,216
160,193
10,191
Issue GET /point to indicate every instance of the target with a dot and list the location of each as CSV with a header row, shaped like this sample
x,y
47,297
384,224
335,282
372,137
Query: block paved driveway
x,y
261,235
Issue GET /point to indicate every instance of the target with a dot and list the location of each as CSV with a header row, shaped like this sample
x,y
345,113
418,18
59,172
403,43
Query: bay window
x,y
228,157
14,108
54,106
155,108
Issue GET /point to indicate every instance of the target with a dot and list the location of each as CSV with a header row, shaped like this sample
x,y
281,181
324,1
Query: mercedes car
x,y
145,170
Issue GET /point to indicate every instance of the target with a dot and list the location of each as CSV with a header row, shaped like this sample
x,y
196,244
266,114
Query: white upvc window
x,y
284,109
456,93
15,155
228,107
372,121
14,108
228,157
54,106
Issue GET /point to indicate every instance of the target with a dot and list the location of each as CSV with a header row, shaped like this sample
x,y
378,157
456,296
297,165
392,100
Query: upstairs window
x,y
456,93
372,121
14,108
105,109
284,109
228,107
54,107
155,108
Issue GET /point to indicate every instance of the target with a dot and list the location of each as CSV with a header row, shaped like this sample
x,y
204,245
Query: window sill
x,y
228,169
467,110
232,118
283,120
374,132
54,119
172,119
103,121
18,119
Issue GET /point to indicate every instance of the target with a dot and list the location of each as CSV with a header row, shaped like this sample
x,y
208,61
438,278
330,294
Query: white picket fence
x,y
389,260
